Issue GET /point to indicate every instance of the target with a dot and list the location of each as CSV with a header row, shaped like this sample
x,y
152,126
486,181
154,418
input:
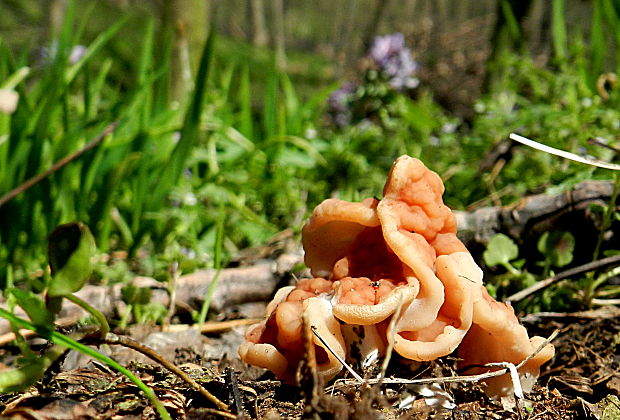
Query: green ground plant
x,y
557,251
71,250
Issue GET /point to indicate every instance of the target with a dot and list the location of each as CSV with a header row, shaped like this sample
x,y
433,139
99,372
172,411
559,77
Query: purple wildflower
x,y
394,60
77,52
338,104
43,56
384,47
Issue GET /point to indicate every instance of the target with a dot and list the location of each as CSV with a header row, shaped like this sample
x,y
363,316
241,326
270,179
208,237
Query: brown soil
x,y
581,382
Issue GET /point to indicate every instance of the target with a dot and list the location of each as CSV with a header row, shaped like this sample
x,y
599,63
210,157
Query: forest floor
x,y
581,382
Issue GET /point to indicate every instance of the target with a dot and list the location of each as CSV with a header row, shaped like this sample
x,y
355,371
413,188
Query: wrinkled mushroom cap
x,y
497,336
332,230
392,270
368,313
458,273
371,281
277,342
417,227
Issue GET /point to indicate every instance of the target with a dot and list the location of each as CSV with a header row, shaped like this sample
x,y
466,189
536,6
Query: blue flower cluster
x,y
395,61
338,104
391,71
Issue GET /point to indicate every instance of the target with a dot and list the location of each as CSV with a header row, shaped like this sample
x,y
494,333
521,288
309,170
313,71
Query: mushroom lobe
x,y
391,271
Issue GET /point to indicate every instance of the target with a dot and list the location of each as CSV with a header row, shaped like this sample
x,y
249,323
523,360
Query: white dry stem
x,y
449,379
340,359
516,383
603,302
563,153
391,333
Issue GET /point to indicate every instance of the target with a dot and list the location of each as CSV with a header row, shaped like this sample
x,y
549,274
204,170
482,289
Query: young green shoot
x,y
217,263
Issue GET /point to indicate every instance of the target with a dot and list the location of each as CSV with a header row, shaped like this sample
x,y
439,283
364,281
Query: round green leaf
x,y
557,247
500,250
70,250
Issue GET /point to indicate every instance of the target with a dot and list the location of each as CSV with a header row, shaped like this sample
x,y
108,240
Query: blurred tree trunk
x,y
437,16
121,4
189,19
260,37
373,26
279,41
336,30
507,34
56,17
343,35
536,27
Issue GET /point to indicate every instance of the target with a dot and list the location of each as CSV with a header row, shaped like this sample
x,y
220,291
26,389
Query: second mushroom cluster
x,y
391,270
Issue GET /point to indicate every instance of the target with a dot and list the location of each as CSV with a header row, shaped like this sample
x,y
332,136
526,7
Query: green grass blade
x,y
16,78
511,22
144,68
189,132
93,49
270,106
246,124
558,30
63,340
217,264
294,118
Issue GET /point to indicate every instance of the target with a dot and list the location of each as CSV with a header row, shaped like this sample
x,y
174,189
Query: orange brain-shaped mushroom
x,y
277,342
497,336
417,226
376,259
344,241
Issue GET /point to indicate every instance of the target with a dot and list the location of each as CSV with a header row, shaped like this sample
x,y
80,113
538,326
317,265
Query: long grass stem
x,y
104,327
63,340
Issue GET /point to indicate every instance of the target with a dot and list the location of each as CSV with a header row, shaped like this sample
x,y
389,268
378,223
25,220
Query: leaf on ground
x,y
44,409
70,249
500,250
557,247
610,408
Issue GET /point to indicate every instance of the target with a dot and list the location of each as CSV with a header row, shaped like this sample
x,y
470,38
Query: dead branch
x,y
152,354
534,214
235,286
594,265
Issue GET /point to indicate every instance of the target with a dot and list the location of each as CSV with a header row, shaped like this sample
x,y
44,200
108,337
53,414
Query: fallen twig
x,y
599,141
448,379
214,326
232,379
525,220
594,265
208,327
236,285
606,312
10,336
152,354
604,302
